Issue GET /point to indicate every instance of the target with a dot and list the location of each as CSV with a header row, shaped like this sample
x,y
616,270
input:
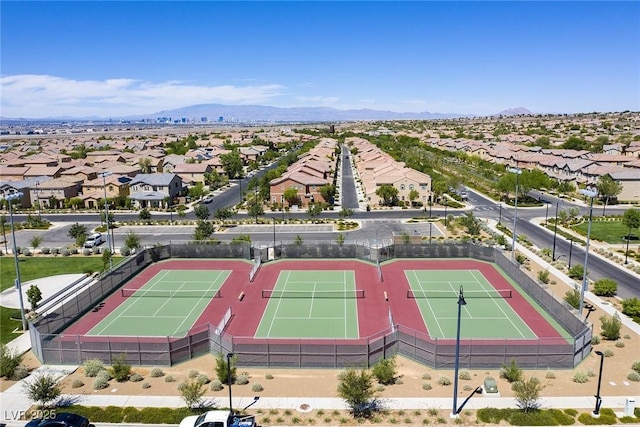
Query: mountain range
x,y
262,113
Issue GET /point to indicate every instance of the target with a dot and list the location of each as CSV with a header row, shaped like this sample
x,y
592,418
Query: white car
x,y
93,240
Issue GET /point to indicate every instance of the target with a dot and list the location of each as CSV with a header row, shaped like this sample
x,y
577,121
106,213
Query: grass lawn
x,y
606,231
33,268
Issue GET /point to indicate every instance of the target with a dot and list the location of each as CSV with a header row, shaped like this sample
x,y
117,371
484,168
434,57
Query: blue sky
x,y
124,58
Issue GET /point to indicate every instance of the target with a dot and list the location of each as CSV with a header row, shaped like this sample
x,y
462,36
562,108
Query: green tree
x,y
413,196
144,214
314,209
506,184
438,188
388,193
9,361
607,188
345,213
132,240
327,192
43,389
631,219
120,368
197,191
577,272
191,392
298,240
35,242
610,327
202,212
232,164
224,213
79,233
527,394
203,230
291,196
145,165
471,222
34,296
631,307
106,259
605,287
254,207
340,239
74,203
224,370
385,371
572,298
356,388
3,224
103,218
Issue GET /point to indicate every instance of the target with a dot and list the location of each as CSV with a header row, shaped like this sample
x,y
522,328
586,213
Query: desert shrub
x,y
193,373
20,372
572,298
100,383
46,251
603,419
626,336
580,377
92,367
43,389
511,372
125,251
464,375
636,366
571,412
634,376
595,340
120,369
134,378
191,392
426,376
608,353
26,252
379,388
86,252
619,344
77,383
146,385
202,379
385,371
426,386
576,272
169,379
605,287
610,327
550,375
65,252
399,381
444,381
156,373
242,379
9,361
543,276
268,376
631,307
216,385
257,387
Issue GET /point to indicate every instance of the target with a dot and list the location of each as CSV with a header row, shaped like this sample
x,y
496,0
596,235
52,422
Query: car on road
x,y
207,199
93,240
61,419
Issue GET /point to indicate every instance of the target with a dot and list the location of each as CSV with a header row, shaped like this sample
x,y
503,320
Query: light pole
x,y
570,251
626,253
430,225
38,198
430,205
461,302
274,235
500,214
517,171
106,214
555,233
10,198
546,215
591,193
445,211
229,356
596,411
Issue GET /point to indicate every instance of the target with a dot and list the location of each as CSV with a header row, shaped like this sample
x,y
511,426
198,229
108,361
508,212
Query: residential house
x,y
154,189
192,173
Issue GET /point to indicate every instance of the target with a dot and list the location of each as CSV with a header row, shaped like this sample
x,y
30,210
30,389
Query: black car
x,y
62,419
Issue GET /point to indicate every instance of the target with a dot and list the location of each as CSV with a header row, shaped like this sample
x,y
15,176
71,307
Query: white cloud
x,y
49,96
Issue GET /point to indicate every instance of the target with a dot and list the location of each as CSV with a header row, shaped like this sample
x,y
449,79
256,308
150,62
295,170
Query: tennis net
x,y
489,293
276,293
167,293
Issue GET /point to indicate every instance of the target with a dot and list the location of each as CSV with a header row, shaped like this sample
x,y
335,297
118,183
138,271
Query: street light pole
x,y
229,356
517,171
570,251
596,411
555,233
38,198
461,302
500,214
10,198
106,215
585,281
626,253
274,235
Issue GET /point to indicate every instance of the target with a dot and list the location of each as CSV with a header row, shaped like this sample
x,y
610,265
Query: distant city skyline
x,y
87,58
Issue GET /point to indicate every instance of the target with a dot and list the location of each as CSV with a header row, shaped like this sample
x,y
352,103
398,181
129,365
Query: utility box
x,y
629,406
490,385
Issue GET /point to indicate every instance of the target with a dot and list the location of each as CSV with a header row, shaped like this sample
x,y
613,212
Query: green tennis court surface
x,y
487,313
311,304
167,305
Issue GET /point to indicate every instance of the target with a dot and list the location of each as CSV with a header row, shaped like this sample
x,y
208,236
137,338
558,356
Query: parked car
x,y
93,240
61,419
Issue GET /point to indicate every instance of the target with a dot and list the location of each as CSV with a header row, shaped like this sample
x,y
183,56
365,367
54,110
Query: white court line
x,y
278,305
429,304
211,286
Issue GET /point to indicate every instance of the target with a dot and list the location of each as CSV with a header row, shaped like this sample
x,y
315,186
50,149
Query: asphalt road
x,y
349,196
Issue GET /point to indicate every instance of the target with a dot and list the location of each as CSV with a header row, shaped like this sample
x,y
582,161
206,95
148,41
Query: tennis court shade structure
x,y
167,305
311,304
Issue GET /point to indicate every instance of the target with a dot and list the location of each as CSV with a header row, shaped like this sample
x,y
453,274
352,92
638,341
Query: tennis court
x,y
311,304
486,314
167,305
